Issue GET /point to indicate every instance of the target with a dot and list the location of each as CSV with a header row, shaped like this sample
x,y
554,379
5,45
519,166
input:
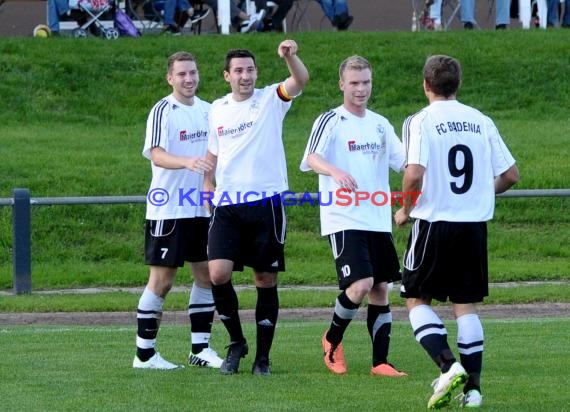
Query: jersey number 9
x,y
466,170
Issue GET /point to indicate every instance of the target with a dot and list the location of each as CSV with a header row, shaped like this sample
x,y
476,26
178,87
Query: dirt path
x,y
538,310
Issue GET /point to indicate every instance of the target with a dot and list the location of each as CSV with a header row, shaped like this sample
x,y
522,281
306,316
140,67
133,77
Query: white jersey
x,y
247,139
366,147
183,131
462,153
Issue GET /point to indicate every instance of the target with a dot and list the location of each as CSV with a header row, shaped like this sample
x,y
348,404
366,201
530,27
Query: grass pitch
x,y
72,368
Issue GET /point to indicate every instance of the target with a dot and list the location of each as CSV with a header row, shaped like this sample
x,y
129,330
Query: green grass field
x,y
89,368
72,121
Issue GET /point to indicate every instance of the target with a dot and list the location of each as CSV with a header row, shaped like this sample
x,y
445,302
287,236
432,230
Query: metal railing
x,y
22,202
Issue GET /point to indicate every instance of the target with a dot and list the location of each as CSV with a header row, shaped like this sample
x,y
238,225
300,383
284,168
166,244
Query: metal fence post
x,y
22,241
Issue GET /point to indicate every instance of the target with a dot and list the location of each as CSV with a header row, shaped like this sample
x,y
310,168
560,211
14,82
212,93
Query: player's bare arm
x,y
412,183
323,167
162,158
210,173
287,50
208,185
507,179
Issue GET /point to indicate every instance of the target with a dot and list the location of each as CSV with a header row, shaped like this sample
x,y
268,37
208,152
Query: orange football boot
x,y
387,369
334,356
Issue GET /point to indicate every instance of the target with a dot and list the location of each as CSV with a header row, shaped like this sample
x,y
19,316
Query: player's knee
x,y
359,289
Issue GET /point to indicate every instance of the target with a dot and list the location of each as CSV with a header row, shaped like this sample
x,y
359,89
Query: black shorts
x,y
446,260
172,242
249,234
361,254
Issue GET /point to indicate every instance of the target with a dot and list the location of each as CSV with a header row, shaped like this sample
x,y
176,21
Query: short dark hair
x,y
443,75
237,54
179,56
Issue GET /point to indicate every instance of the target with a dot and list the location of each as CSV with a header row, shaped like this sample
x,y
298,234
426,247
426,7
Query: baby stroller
x,y
92,11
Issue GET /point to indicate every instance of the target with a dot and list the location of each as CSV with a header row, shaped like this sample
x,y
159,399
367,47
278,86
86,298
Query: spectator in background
x,y
177,13
502,14
56,8
435,14
528,18
337,12
273,20
430,16
241,21
553,19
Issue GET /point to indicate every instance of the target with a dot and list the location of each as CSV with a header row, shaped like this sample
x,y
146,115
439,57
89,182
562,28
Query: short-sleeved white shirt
x,y
183,131
462,152
366,147
247,139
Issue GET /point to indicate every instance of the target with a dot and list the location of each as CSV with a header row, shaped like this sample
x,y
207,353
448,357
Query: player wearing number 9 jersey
x,y
456,157
461,151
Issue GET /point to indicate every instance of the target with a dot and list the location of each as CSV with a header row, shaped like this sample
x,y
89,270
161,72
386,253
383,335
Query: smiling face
x,y
241,74
356,85
184,79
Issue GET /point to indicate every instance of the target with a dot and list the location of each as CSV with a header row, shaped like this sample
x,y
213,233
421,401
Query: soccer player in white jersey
x,y
176,222
352,149
456,157
248,224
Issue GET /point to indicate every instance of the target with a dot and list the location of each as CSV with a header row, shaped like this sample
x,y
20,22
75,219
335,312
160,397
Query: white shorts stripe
x,y
411,262
336,249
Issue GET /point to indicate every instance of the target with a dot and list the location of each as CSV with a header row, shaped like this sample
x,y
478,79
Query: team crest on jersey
x,y
381,130
254,108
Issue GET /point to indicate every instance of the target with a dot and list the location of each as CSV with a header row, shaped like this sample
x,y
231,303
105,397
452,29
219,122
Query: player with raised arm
x,y
246,147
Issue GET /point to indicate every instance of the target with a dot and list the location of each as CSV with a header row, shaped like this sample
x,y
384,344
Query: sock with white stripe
x,y
149,314
344,311
201,313
379,322
470,344
431,333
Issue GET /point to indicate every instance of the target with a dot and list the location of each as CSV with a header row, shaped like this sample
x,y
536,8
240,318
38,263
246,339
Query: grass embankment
x,y
73,113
